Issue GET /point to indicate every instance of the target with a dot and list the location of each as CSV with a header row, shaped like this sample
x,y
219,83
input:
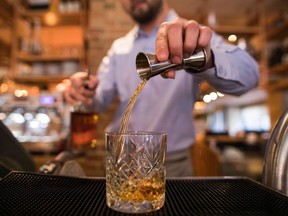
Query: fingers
x,y
180,38
191,37
69,96
169,74
175,42
204,43
79,89
162,47
204,37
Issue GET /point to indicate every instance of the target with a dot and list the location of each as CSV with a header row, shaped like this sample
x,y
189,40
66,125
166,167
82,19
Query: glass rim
x,y
136,133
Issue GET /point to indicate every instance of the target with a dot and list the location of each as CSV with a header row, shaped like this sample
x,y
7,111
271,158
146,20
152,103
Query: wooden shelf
x,y
45,57
5,61
6,10
279,69
279,31
73,18
6,27
280,85
236,29
282,82
64,41
40,78
4,45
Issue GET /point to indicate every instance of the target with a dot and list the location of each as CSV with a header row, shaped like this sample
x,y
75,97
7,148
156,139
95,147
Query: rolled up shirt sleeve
x,y
235,71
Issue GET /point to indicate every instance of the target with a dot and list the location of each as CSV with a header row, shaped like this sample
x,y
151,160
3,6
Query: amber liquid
x,y
126,117
83,130
140,190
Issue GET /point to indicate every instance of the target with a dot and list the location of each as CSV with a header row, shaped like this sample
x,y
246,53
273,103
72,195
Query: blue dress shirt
x,y
165,104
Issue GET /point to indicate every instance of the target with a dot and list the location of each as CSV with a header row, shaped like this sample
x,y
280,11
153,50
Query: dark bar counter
x,y
23,193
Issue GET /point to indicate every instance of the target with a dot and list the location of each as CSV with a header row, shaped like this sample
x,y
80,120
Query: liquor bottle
x,y
83,127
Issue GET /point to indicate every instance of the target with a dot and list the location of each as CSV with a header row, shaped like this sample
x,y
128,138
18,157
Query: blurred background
x,y
42,42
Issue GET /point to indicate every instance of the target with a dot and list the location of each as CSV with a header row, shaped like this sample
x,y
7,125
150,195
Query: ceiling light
x,y
207,98
213,96
232,38
51,18
220,94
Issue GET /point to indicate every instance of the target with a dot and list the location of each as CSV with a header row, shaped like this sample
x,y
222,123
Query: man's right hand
x,y
79,89
179,39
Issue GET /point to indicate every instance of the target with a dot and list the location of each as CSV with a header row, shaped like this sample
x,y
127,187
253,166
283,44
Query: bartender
x,y
164,104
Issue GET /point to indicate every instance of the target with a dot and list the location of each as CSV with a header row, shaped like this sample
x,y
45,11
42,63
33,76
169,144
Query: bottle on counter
x,y
83,128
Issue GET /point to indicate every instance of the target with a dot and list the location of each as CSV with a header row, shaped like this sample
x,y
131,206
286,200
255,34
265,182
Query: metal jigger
x,y
148,66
